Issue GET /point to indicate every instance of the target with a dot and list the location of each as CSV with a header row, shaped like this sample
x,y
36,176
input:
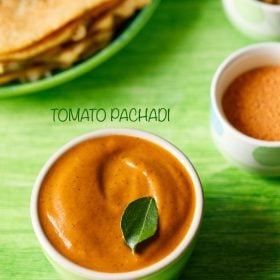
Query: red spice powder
x,y
252,103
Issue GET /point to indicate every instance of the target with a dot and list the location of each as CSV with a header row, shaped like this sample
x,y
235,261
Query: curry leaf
x,y
139,221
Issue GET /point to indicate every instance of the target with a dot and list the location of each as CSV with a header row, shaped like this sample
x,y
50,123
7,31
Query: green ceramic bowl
x,y
83,67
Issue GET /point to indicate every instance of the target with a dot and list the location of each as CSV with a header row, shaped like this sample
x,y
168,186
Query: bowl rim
x,y
271,7
83,67
91,274
239,54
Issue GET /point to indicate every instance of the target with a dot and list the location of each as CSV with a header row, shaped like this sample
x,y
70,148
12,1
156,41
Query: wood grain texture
x,y
169,64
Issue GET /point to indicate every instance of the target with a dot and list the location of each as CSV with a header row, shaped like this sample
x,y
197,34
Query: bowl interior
x,y
241,62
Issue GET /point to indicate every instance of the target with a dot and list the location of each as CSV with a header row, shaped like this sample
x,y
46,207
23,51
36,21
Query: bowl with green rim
x,y
60,77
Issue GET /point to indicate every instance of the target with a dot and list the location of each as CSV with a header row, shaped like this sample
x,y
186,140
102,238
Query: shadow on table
x,y
239,238
154,46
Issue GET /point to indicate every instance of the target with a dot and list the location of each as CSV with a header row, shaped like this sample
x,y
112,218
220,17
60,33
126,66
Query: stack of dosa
x,y
40,36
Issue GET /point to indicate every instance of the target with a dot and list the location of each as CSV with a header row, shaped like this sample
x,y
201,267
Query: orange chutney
x,y
86,191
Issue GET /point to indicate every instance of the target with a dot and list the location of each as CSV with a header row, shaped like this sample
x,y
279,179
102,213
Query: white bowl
x,y
247,152
254,18
166,269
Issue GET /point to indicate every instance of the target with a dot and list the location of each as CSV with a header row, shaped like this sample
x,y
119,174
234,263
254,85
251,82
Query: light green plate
x,y
81,68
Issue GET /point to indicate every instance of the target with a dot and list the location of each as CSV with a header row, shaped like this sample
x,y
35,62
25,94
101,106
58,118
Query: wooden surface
x,y
169,64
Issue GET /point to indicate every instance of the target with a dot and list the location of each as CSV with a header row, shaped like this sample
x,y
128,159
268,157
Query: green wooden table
x,y
170,64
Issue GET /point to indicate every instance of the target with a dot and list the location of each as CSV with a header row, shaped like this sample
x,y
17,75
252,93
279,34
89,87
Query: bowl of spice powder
x,y
245,108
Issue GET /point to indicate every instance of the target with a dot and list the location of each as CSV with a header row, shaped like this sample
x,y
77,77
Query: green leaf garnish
x,y
139,221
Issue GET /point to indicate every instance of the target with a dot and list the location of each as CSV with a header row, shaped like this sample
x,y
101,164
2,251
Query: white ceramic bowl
x,y
166,269
254,18
247,152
